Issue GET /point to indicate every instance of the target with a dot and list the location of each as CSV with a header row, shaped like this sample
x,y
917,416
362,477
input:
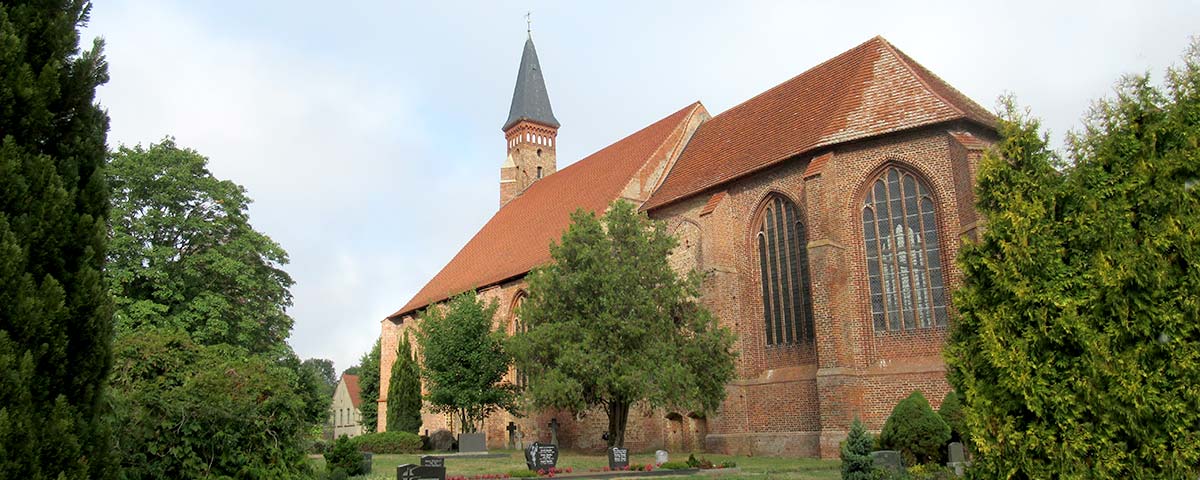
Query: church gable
x,y
870,90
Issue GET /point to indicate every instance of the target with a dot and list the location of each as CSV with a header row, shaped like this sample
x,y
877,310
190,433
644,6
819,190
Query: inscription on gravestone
x,y
432,461
417,472
618,458
541,456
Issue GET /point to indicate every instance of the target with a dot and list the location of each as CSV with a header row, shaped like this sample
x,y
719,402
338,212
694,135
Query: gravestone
x,y
432,461
472,443
409,471
541,456
554,431
441,440
520,440
888,459
957,459
618,458
661,457
512,438
367,463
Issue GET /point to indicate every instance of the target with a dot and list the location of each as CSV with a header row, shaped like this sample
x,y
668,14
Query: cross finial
x,y
528,24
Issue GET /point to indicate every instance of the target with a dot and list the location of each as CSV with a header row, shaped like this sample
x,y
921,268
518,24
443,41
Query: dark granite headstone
x,y
541,455
417,472
472,443
888,459
367,462
432,461
618,458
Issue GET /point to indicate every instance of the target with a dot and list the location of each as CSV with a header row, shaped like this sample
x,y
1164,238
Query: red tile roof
x,y
869,90
517,238
352,388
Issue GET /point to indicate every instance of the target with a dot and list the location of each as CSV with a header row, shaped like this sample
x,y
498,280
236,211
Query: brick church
x,y
827,212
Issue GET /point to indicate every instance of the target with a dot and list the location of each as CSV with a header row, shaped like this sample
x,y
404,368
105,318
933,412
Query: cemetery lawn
x,y
751,468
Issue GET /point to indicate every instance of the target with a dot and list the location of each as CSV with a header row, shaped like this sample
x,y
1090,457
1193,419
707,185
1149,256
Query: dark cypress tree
x,y
404,392
55,316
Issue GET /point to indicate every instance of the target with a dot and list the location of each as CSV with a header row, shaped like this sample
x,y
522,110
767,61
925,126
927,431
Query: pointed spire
x,y
530,100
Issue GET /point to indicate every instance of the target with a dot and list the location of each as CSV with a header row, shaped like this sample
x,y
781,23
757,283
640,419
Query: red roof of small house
x,y
518,237
351,382
869,90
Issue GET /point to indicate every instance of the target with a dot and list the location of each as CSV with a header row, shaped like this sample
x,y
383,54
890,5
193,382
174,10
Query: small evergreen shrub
x,y
916,431
388,442
952,413
930,471
344,456
856,453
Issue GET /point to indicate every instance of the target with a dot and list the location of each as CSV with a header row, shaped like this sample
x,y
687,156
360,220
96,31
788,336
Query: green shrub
x,y
930,471
728,464
952,413
388,442
344,457
856,453
675,466
915,431
522,474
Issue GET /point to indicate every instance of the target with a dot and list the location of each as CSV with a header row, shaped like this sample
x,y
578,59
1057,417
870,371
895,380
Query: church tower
x,y
531,130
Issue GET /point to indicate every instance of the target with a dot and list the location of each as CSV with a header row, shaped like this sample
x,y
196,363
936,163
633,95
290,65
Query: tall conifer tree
x,y
404,391
55,317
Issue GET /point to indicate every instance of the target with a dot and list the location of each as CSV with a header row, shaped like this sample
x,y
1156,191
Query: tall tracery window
x,y
519,327
904,265
783,265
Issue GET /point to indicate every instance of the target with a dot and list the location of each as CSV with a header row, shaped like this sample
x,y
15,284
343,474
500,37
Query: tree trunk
x,y
618,416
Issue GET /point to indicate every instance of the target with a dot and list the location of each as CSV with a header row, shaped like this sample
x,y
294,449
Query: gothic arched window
x,y
783,266
519,327
904,264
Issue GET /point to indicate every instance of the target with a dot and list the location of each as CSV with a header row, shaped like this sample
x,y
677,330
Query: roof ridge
x,y
681,143
793,77
903,59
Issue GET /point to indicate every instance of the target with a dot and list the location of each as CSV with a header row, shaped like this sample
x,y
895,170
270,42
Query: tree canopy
x,y
184,255
610,324
55,317
1077,349
463,361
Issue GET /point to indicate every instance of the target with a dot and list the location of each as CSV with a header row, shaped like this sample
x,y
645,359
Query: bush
x,y
675,466
345,457
856,453
915,431
952,413
930,471
179,407
387,442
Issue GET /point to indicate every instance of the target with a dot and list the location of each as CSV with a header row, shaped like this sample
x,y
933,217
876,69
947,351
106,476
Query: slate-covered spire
x,y
530,100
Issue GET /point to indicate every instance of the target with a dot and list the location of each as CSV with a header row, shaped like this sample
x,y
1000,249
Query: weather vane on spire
x,y
528,24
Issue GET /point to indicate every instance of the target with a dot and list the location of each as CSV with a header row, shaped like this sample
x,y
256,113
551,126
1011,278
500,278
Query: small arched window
x,y
783,267
904,265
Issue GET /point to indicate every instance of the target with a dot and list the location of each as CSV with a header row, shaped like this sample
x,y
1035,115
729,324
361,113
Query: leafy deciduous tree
x,y
1078,346
611,324
404,391
183,253
463,361
55,317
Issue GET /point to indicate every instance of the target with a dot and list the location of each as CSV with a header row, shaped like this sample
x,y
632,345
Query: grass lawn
x,y
756,468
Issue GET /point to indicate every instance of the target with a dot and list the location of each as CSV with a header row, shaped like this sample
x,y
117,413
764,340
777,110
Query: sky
x,y
368,133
